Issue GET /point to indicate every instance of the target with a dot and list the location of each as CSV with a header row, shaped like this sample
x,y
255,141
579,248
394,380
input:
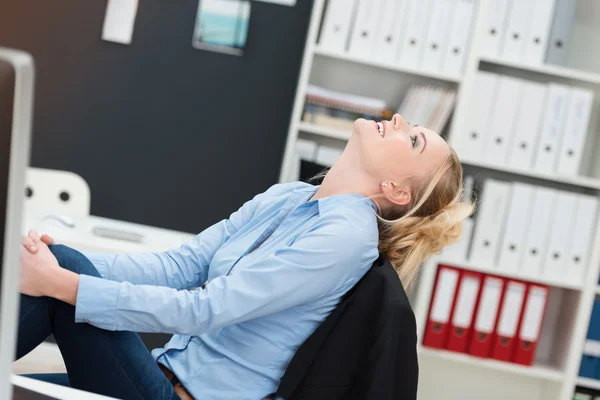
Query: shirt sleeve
x,y
180,268
328,260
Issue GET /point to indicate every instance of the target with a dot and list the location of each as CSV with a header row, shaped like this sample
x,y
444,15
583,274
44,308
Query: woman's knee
x,y
73,260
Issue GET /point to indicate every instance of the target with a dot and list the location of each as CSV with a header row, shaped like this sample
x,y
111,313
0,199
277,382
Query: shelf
x,y
536,371
340,134
581,181
360,60
551,70
588,383
512,275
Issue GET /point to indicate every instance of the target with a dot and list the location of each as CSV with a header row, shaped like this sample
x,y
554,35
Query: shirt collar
x,y
304,193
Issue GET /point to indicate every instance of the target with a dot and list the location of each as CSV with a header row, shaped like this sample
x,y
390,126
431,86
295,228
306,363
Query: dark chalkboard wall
x,y
164,134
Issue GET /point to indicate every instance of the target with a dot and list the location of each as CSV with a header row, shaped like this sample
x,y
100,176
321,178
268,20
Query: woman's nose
x,y
398,122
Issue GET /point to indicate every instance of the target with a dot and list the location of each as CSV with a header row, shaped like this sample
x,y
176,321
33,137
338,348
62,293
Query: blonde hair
x,y
408,235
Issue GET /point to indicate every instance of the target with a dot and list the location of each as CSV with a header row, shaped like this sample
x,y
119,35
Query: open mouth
x,y
381,128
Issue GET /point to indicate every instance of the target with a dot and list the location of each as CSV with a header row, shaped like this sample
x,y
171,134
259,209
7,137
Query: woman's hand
x,y
29,243
39,269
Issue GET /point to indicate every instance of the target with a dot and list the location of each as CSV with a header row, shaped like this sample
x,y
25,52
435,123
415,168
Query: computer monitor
x,y
16,102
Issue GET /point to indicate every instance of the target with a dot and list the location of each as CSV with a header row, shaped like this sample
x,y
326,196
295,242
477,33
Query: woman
x,y
246,292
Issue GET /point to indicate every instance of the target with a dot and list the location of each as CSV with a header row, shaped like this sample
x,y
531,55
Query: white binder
x,y
518,25
537,232
497,12
555,263
416,30
501,130
536,41
552,129
575,131
560,33
337,24
389,40
306,149
456,51
578,255
437,37
481,105
528,125
366,28
519,215
489,224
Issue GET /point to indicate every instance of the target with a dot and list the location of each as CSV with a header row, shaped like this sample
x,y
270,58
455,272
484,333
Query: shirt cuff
x,y
97,302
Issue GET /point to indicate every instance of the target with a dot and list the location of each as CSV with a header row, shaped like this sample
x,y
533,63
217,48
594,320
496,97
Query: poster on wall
x,y
222,26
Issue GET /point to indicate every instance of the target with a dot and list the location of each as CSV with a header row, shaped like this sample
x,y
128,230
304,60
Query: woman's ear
x,y
399,195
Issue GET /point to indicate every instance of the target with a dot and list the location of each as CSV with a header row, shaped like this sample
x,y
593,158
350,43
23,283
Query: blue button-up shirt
x,y
234,338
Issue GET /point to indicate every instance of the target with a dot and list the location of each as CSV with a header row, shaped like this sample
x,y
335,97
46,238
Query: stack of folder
x,y
527,125
534,231
429,34
485,315
529,31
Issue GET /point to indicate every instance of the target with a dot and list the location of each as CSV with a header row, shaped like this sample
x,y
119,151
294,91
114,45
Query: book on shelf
x,y
339,110
428,106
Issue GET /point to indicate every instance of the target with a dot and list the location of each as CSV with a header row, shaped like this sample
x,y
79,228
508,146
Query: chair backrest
x,y
55,191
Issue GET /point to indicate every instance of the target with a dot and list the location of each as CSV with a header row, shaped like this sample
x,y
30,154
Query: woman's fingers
x,y
29,243
47,239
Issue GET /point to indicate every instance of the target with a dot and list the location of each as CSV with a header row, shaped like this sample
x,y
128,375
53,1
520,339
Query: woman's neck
x,y
345,176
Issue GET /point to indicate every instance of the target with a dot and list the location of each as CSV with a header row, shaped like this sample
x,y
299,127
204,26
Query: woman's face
x,y
397,152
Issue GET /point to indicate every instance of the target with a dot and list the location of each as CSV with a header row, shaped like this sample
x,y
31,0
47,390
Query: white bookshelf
x,y
445,374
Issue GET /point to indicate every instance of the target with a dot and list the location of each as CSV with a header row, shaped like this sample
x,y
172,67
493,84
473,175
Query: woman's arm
x,y
180,268
319,263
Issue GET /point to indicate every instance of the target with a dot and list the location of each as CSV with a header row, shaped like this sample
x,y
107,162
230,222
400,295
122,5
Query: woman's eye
x,y
413,139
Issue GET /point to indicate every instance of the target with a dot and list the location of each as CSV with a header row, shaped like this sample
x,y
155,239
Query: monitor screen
x,y
7,96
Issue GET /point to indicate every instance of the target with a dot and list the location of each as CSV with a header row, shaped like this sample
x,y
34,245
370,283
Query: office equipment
x,y
461,26
518,25
579,247
553,127
413,44
575,131
560,33
490,222
530,115
366,28
538,231
437,36
337,24
492,290
536,39
393,23
442,303
462,316
504,116
519,215
555,263
16,102
508,321
495,26
531,324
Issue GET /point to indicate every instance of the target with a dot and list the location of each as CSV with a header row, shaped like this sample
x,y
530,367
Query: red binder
x,y
505,338
440,310
486,316
461,322
531,324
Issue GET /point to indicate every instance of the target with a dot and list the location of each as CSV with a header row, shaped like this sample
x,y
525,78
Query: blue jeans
x,y
115,364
